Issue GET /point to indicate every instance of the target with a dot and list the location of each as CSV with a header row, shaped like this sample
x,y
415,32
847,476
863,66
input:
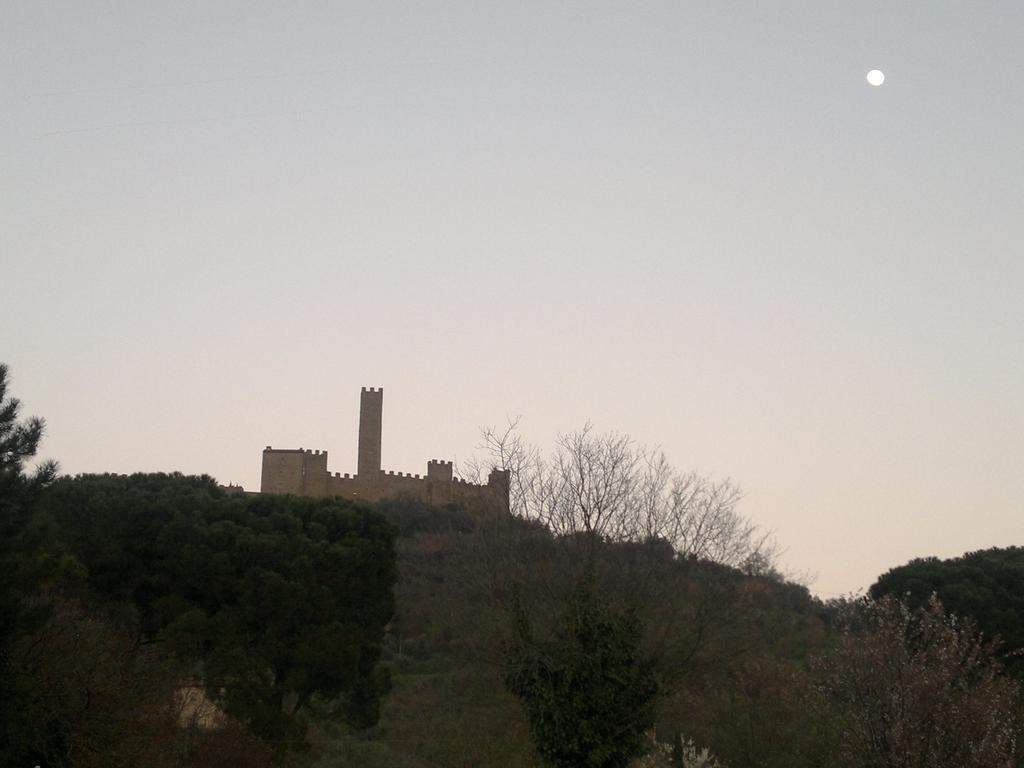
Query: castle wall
x,y
439,492
304,473
315,473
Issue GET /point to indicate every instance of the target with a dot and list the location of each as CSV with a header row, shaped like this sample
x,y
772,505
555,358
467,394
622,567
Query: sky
x,y
691,221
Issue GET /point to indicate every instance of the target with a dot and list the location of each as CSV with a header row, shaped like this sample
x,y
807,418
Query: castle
x,y
304,472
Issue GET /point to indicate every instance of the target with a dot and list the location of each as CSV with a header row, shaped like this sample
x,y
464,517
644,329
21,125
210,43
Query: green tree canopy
x,y
588,692
278,599
987,586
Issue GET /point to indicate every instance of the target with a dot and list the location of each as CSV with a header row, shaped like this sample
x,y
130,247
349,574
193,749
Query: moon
x,y
876,77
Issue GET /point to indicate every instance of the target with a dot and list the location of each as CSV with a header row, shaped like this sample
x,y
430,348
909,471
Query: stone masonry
x,y
304,473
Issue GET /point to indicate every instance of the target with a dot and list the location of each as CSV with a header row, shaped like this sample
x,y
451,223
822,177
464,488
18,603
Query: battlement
x,y
440,470
298,471
374,389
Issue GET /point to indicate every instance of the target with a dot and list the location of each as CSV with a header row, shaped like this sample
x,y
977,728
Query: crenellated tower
x,y
371,411
437,469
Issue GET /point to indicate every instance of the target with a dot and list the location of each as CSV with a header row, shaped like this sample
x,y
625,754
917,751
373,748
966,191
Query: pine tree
x,y
21,567
18,494
18,444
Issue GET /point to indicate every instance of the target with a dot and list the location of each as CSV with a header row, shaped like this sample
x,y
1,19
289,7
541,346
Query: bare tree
x,y
919,688
505,448
607,486
589,485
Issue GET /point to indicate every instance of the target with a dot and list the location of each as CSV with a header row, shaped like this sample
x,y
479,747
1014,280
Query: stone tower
x,y
371,409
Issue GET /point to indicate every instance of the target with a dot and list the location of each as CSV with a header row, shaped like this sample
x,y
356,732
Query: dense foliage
x,y
987,586
278,599
410,516
588,691
913,687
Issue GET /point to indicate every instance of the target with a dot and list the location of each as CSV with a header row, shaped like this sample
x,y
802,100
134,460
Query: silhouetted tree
x,y
21,567
24,564
18,444
588,691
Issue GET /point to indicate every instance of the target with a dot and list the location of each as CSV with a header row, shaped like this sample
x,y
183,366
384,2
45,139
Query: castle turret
x,y
439,470
371,409
500,482
300,472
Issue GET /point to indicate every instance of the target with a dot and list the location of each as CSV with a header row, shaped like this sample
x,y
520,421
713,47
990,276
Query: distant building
x,y
304,472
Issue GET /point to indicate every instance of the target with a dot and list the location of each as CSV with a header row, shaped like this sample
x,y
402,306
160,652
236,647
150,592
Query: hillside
x,y
731,649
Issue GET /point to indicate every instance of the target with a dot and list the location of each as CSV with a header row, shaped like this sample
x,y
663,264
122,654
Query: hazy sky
x,y
691,221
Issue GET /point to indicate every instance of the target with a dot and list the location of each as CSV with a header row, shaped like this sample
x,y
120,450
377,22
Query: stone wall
x,y
304,473
294,471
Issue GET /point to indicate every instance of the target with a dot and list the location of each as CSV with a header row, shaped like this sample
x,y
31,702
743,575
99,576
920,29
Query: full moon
x,y
876,77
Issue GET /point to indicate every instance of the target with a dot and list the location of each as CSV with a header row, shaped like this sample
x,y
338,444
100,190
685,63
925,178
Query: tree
x,y
606,486
917,687
91,696
588,692
20,562
280,600
18,444
987,586
24,564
